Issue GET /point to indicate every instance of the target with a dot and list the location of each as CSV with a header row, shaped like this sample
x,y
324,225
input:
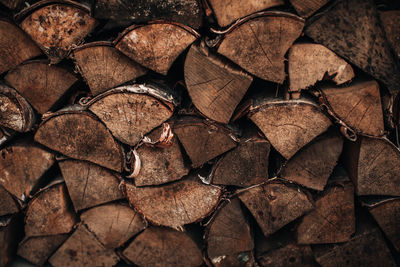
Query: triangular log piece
x,y
291,255
215,86
289,125
358,105
113,224
274,205
259,45
57,26
15,46
310,63
10,234
15,112
391,24
79,135
156,45
22,166
83,249
7,203
104,67
175,204
158,246
314,163
12,4
243,259
88,184
38,249
358,39
41,84
50,213
306,8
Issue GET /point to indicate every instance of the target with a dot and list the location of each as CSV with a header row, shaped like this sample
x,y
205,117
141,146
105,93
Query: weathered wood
x,y
215,86
41,84
7,203
291,255
306,8
11,232
12,4
259,44
391,24
243,259
158,246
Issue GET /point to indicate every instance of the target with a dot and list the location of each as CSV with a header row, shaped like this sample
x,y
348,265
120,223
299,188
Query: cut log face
x,y
41,84
158,246
88,184
50,213
81,136
358,39
15,46
21,167
310,63
104,67
155,46
312,165
215,86
181,202
245,259
274,205
306,8
259,45
83,249
113,224
289,125
291,255
7,203
391,24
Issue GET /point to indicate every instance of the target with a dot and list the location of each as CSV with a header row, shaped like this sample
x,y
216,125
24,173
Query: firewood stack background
x,y
199,133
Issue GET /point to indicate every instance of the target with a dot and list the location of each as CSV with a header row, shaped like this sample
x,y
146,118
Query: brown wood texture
x,y
7,204
12,4
306,8
391,24
10,235
243,259
290,255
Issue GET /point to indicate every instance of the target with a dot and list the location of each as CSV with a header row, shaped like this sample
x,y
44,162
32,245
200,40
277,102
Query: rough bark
x,y
7,203
306,8
391,24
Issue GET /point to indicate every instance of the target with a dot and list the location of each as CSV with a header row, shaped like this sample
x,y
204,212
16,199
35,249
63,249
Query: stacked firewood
x,y
199,133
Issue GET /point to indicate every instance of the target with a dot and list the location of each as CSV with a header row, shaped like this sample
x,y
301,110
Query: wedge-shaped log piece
x,y
158,246
202,139
57,26
391,24
21,167
79,135
15,46
359,39
306,8
291,255
259,44
7,203
88,184
113,224
288,125
156,45
83,249
41,84
11,232
214,85
104,67
274,205
175,204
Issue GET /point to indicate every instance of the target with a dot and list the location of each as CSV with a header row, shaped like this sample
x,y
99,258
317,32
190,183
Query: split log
x,y
245,259
7,203
175,204
290,255
391,24
259,44
156,45
56,26
306,8
358,39
215,86
104,67
275,204
288,125
203,140
41,84
15,46
83,249
11,231
158,246
88,184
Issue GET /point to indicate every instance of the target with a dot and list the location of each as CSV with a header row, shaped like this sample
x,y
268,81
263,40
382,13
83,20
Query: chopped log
x,y
306,8
83,249
391,24
358,39
79,135
7,203
158,246
203,140
38,249
156,45
245,259
259,44
50,213
175,204
56,26
215,86
11,231
104,67
291,255
88,184
275,204
288,125
41,84
15,46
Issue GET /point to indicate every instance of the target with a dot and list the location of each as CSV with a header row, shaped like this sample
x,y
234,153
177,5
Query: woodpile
x,y
199,133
